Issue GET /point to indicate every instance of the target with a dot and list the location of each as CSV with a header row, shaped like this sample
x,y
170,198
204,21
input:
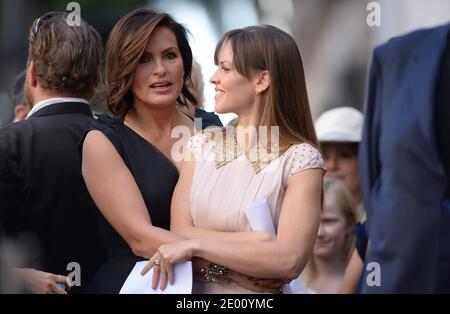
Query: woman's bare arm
x,y
116,194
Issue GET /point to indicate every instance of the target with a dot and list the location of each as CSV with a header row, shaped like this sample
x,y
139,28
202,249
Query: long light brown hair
x,y
126,44
285,103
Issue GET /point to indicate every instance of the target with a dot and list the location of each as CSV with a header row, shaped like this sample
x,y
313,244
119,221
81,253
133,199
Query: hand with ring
x,y
165,258
156,264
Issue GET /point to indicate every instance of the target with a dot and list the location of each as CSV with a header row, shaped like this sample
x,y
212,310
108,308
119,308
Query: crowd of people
x,y
146,182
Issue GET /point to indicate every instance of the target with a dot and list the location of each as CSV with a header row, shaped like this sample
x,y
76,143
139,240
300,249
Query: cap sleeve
x,y
302,157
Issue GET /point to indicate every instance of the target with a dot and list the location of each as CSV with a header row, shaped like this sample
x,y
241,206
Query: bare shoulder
x,y
97,146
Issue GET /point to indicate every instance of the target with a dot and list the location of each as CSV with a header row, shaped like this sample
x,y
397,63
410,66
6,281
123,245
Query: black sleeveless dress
x,y
156,177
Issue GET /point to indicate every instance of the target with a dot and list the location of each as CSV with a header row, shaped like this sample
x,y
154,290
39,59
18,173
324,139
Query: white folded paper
x,y
260,219
138,284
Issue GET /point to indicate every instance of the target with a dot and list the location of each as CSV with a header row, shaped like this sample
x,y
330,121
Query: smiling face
x,y
333,231
234,92
158,79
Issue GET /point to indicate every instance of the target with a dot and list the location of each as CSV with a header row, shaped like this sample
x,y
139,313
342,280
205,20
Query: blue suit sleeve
x,y
369,163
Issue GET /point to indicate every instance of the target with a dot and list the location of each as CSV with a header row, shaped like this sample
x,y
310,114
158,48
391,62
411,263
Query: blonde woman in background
x,y
334,244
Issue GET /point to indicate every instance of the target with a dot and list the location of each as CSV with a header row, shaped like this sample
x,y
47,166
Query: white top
x,y
222,190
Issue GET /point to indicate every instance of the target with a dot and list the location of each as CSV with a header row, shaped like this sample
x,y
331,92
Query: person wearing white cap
x,y
339,133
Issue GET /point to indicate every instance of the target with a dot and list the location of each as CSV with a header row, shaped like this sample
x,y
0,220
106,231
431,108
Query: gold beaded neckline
x,y
227,150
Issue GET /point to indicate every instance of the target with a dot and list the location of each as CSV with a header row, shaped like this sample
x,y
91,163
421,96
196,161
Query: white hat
x,y
342,124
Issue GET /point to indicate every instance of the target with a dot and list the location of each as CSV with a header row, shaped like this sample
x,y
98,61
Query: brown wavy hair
x,y
126,44
67,58
285,103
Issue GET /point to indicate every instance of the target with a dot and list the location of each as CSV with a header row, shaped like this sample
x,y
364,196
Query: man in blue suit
x,y
404,165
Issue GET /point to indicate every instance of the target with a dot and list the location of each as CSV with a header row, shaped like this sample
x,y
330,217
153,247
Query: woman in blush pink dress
x,y
260,78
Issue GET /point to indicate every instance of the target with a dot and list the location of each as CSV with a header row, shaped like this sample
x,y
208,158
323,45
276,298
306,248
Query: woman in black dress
x,y
127,164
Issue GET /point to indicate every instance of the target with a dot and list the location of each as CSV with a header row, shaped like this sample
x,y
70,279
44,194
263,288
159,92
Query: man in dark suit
x,y
404,162
42,193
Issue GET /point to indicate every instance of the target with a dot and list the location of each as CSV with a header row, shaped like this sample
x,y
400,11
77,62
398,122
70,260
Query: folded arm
x,y
285,257
297,229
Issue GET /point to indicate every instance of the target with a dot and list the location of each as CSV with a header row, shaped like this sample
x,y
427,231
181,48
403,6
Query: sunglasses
x,y
44,17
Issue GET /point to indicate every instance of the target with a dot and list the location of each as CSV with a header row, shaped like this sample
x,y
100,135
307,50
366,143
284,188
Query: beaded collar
x,y
227,150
